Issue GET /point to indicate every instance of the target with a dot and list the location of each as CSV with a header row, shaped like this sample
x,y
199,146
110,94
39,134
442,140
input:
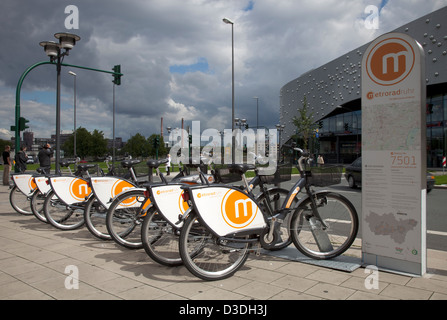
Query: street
x,y
436,211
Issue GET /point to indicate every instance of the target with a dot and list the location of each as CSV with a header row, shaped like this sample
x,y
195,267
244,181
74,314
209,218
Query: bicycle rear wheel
x,y
329,236
60,215
95,219
37,201
204,256
20,201
124,221
160,239
276,198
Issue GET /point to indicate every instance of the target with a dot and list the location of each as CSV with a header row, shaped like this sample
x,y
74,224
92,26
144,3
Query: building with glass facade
x,y
333,96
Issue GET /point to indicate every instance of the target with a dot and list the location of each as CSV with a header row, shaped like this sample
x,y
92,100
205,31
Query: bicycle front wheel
x,y
205,257
20,201
124,218
160,239
329,233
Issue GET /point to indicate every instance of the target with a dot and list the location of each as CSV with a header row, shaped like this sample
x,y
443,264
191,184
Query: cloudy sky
x,y
176,57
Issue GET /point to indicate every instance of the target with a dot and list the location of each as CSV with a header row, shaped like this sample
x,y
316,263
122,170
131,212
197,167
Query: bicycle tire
x,y
36,203
61,217
124,224
341,218
204,257
160,239
278,195
20,201
95,219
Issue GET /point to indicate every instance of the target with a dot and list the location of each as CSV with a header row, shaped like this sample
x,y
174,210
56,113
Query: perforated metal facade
x,y
333,93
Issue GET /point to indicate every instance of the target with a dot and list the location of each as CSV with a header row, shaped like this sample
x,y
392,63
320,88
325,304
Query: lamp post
x,y
74,113
228,21
54,50
257,112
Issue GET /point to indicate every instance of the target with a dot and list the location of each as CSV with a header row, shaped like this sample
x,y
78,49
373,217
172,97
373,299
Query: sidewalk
x,y
38,261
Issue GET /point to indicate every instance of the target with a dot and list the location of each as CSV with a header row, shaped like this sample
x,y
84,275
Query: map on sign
x,y
394,127
388,225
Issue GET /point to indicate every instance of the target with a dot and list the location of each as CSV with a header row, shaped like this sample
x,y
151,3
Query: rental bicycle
x,y
161,226
127,210
224,224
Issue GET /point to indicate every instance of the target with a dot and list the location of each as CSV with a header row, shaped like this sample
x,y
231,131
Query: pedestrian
x,y
21,159
6,164
44,156
168,165
320,160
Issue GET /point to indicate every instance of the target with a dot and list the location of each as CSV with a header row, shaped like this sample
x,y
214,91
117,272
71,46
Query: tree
x,y
161,145
99,144
304,123
137,146
87,144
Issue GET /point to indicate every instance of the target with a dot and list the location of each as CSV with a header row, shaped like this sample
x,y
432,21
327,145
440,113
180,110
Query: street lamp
x,y
54,50
257,112
74,117
228,21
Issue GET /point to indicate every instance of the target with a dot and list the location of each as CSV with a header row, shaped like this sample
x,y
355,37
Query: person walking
x,y
44,156
21,159
6,164
320,160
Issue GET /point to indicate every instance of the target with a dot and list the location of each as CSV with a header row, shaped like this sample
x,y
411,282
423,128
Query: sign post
x,y
394,155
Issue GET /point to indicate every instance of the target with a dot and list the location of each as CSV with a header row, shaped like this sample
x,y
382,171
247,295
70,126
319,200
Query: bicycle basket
x,y
283,173
226,175
325,176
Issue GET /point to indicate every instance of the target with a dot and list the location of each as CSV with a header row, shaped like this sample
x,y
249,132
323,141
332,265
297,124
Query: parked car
x,y
30,160
353,174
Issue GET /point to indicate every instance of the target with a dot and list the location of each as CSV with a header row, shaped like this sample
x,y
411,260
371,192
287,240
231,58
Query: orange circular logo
x,y
183,205
79,189
238,210
390,61
32,184
120,186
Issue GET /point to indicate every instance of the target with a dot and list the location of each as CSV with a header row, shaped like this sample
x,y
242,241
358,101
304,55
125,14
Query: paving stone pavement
x,y
37,261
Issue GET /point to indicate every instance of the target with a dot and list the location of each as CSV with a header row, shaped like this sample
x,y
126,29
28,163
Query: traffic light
x,y
22,124
156,142
346,126
117,74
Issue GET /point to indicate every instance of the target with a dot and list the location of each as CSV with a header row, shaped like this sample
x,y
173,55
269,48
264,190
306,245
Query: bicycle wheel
x,y
276,198
160,239
37,201
329,236
124,221
20,201
60,215
204,257
95,219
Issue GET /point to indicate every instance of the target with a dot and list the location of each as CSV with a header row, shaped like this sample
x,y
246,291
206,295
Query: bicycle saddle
x,y
85,166
241,168
66,163
156,163
129,163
